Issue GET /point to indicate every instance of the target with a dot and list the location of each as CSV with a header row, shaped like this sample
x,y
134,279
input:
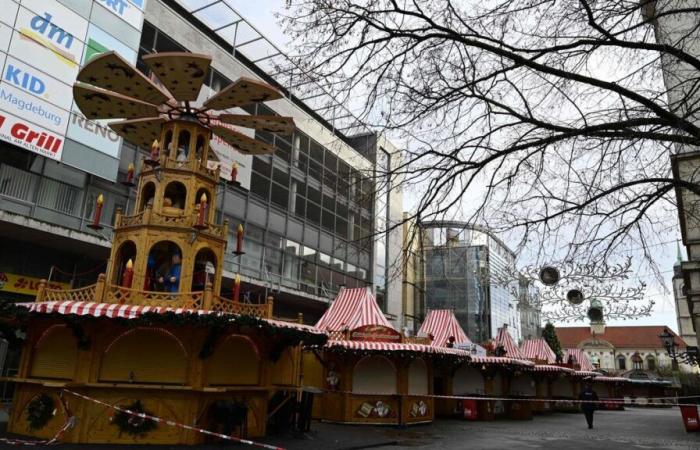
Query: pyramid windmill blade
x,y
242,142
272,124
244,91
140,132
113,73
180,72
96,103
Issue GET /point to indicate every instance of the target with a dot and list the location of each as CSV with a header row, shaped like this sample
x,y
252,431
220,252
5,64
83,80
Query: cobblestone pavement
x,y
633,429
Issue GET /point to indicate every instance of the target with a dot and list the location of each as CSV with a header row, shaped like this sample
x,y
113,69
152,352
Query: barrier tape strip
x,y
175,424
613,400
69,423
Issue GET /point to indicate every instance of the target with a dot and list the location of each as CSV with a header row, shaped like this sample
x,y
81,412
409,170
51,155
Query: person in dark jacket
x,y
589,399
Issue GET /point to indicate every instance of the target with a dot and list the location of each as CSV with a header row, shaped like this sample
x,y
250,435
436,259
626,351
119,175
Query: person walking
x,y
589,399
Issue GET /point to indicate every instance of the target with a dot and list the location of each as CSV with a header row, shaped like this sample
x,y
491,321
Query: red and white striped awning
x,y
538,349
585,373
580,358
551,368
607,379
352,308
503,338
501,360
442,324
397,347
114,311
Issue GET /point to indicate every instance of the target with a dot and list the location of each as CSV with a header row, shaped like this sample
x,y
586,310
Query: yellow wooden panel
x,y
235,362
283,368
144,355
313,371
55,355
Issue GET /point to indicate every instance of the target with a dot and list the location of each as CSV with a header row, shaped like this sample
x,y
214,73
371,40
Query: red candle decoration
x,y
234,173
95,225
237,288
155,150
239,240
202,211
128,276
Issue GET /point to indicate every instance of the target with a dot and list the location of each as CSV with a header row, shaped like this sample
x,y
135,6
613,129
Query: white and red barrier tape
x,y
174,424
69,423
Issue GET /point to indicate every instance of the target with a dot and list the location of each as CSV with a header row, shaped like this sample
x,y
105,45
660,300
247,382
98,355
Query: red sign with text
x,y
375,333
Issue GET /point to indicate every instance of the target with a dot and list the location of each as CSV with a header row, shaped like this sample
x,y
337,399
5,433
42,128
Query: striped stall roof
x,y
500,360
551,368
114,311
352,308
607,379
538,349
503,338
585,373
580,358
394,346
442,324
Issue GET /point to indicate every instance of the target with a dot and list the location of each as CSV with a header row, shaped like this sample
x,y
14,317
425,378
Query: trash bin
x,y
469,410
690,417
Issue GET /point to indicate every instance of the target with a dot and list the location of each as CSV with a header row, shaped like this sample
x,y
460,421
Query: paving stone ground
x,y
635,428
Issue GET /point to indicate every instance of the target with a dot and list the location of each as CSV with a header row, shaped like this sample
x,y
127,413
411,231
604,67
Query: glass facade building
x,y
467,269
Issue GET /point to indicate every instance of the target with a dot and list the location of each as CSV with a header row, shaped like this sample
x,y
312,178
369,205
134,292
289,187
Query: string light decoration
x,y
611,284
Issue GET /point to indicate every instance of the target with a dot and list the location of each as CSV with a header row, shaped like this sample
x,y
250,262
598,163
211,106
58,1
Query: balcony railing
x,y
103,292
189,166
150,217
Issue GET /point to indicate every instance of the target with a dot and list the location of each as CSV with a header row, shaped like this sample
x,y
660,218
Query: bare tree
x,y
547,120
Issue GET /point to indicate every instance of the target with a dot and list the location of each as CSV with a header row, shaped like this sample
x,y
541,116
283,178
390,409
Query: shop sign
x,y
125,10
48,36
20,284
37,83
26,106
30,136
375,333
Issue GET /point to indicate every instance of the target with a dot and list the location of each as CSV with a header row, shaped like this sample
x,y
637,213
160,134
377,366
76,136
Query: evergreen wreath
x,y
132,424
39,411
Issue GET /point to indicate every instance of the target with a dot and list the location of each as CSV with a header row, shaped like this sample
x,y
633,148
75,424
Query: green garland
x,y
131,424
40,411
290,336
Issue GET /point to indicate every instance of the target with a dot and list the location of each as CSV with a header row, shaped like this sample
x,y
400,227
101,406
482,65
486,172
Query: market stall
x,y
373,373
610,391
519,385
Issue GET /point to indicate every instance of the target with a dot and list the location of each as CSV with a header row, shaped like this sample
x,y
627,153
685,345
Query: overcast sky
x,y
261,14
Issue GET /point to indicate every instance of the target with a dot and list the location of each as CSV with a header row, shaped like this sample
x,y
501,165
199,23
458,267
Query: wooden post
x,y
270,302
41,291
100,288
300,318
207,301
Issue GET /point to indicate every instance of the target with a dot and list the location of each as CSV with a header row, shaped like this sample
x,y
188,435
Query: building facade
x,y
471,271
618,350
685,320
675,24
314,214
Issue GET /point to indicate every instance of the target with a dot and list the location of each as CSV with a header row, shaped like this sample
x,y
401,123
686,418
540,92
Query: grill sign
x,y
30,136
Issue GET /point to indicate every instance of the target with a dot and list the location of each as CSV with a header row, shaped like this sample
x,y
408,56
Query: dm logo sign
x,y
49,37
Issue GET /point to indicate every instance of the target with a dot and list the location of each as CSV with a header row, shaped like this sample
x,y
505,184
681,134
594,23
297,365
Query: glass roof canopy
x,y
227,23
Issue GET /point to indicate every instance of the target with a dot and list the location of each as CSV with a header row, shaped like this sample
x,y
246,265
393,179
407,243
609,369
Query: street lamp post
x,y
690,356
